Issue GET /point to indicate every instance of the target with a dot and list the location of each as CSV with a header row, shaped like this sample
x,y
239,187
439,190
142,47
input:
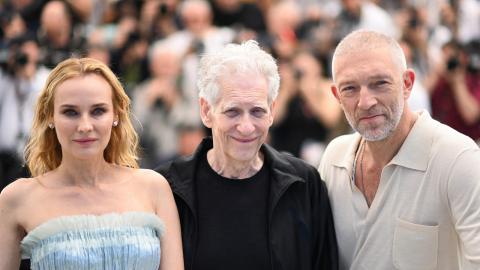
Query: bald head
x,y
361,41
55,12
56,23
283,15
196,15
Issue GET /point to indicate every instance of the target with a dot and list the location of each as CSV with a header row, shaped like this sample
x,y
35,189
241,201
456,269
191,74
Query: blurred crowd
x,y
154,47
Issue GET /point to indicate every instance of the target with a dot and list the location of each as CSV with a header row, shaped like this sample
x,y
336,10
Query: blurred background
x,y
154,47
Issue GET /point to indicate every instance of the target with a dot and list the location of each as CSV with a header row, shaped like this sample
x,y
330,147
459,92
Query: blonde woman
x,y
87,205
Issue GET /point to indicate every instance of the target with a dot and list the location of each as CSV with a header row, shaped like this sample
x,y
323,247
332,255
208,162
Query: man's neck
x,y
234,169
381,152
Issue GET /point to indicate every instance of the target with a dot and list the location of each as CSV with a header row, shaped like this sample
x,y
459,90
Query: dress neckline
x,y
85,222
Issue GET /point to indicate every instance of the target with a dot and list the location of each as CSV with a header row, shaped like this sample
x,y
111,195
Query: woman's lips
x,y
85,141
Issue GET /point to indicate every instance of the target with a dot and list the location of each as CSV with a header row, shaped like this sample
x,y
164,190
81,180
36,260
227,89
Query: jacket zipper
x,y
282,192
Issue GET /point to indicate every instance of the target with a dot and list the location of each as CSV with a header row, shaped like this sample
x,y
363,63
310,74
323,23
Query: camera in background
x,y
12,58
452,63
463,56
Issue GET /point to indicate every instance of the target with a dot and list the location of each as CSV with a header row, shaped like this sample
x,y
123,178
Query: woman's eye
x,y
69,112
98,111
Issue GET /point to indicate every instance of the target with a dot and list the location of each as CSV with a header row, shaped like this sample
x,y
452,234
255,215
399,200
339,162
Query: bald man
x,y
404,189
57,34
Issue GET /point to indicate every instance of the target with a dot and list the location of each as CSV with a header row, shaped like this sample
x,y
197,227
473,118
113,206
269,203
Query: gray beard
x,y
384,131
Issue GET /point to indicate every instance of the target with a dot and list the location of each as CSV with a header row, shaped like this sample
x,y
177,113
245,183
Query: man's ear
x,y
273,111
205,112
408,81
335,93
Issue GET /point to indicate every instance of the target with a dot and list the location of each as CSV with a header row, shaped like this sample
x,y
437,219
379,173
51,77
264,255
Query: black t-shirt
x,y
232,216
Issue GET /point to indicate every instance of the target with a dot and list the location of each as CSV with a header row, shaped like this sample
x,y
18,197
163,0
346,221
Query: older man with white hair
x,y
242,204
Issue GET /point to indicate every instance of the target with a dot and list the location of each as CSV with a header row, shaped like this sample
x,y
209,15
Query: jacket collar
x,y
282,174
181,172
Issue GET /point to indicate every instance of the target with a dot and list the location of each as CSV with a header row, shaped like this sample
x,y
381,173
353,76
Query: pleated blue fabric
x,y
128,240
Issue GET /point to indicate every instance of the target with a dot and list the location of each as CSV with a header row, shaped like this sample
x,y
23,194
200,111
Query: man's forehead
x,y
254,102
377,62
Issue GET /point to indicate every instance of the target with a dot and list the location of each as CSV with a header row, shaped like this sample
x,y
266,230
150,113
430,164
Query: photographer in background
x,y
455,94
162,107
59,35
21,79
304,104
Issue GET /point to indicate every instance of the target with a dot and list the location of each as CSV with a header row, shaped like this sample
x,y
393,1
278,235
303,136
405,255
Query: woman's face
x,y
83,116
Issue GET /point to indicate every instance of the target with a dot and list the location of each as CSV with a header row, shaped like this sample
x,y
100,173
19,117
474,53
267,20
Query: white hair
x,y
247,57
364,40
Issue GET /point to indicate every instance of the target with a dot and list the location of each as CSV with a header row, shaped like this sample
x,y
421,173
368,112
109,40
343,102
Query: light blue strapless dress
x,y
111,241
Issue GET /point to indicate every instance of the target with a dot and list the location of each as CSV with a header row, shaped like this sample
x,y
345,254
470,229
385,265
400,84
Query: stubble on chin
x,y
382,131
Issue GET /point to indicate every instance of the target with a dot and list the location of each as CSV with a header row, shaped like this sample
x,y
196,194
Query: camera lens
x,y
20,58
163,9
452,63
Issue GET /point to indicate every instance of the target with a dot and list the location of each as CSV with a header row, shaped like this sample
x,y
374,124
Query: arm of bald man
x,y
463,195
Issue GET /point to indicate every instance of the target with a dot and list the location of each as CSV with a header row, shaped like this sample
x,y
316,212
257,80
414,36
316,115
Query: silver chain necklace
x,y
360,155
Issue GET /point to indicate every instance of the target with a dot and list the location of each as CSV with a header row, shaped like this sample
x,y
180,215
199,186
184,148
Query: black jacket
x,y
301,233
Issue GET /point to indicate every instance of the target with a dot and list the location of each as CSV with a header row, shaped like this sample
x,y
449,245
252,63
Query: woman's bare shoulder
x,y
150,176
151,180
15,193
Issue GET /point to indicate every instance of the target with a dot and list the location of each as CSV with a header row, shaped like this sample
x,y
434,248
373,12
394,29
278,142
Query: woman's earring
x,y
51,126
115,123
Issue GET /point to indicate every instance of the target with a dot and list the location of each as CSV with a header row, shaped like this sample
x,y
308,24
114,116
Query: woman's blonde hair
x,y
43,152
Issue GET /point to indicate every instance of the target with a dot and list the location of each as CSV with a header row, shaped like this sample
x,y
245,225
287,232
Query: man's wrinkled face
x,y
240,117
370,89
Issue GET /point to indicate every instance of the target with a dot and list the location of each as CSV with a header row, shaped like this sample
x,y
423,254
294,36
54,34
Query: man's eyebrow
x,y
380,76
229,106
342,83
